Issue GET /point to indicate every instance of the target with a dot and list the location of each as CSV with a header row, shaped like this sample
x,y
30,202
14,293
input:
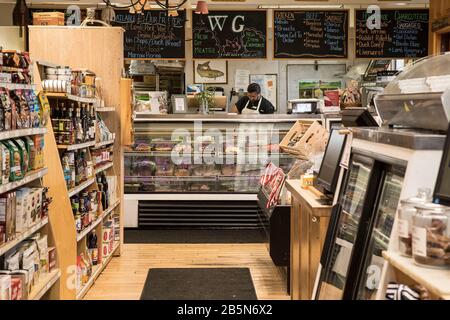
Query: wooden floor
x,y
124,277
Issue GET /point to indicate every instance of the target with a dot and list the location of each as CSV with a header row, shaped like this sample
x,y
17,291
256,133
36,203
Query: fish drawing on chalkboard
x,y
204,70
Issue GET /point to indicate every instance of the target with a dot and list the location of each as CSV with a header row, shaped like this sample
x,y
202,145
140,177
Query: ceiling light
x,y
302,6
202,7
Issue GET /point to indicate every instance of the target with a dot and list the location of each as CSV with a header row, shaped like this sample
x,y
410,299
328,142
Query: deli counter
x,y
201,159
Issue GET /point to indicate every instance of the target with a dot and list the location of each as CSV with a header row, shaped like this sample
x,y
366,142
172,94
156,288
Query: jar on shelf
x,y
89,169
405,215
431,235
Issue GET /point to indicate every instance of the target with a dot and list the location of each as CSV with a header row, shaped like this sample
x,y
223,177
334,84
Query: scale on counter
x,y
297,106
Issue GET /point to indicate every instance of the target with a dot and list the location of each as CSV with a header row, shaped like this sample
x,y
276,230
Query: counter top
x,y
405,138
225,117
307,194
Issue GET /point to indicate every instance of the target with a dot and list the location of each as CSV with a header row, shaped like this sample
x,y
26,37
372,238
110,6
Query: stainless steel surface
x,y
225,117
421,111
410,139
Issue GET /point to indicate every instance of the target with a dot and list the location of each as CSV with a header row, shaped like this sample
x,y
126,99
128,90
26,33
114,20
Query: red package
x,y
16,289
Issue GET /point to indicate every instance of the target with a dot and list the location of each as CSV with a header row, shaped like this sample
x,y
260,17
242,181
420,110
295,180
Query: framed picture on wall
x,y
211,71
179,103
268,84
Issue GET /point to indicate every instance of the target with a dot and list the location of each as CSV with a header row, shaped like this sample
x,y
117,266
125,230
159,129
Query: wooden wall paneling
x,y
438,9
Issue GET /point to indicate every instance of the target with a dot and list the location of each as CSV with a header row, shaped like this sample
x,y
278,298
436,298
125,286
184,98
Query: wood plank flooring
x,y
124,277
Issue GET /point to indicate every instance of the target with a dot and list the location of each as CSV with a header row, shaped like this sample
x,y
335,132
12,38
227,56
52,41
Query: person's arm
x,y
240,104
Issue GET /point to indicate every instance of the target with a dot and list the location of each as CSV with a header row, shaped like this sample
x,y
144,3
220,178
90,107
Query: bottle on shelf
x,y
93,248
79,127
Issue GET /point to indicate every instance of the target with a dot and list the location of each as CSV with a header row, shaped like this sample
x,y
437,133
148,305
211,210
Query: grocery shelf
x,y
71,147
103,143
69,96
103,167
12,69
437,281
105,109
45,282
30,176
96,270
22,236
15,86
81,187
4,135
86,231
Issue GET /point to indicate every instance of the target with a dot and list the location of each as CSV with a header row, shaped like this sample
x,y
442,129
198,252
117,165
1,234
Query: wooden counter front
x,y
309,223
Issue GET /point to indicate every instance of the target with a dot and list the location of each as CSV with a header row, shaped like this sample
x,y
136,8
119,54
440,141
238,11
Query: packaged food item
x,y
4,103
23,209
16,289
15,109
24,158
42,245
431,235
15,161
38,141
29,144
5,163
12,261
7,105
51,258
5,287
7,215
34,108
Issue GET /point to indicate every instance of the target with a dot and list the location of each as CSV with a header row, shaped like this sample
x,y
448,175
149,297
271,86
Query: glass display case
x,y
204,154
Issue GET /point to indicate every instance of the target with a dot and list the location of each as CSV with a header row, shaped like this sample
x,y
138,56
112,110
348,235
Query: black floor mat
x,y
193,236
199,284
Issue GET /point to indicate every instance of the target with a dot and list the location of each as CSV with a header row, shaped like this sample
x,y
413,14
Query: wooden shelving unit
x,y
24,235
106,43
103,143
77,146
437,281
81,187
21,133
46,281
95,273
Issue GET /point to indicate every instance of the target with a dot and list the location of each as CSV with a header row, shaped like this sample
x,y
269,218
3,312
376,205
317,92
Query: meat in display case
x,y
213,157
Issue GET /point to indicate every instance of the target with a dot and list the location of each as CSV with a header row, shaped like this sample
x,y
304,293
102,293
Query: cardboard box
x,y
51,259
23,209
7,215
48,18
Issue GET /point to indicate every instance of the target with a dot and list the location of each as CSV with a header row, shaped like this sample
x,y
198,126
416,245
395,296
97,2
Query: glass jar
x,y
431,235
405,215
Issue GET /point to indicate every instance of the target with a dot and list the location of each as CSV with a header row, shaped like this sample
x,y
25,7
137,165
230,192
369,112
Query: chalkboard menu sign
x,y
310,34
152,35
229,35
403,34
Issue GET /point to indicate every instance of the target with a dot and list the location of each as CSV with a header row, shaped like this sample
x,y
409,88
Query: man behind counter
x,y
254,102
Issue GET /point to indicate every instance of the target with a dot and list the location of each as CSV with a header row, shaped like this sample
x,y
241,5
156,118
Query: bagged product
x,y
39,149
16,288
15,161
34,108
24,158
29,144
5,101
23,209
15,109
5,287
12,261
5,163
36,205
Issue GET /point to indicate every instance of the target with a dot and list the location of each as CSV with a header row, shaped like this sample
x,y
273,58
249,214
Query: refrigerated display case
x,y
202,158
386,165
